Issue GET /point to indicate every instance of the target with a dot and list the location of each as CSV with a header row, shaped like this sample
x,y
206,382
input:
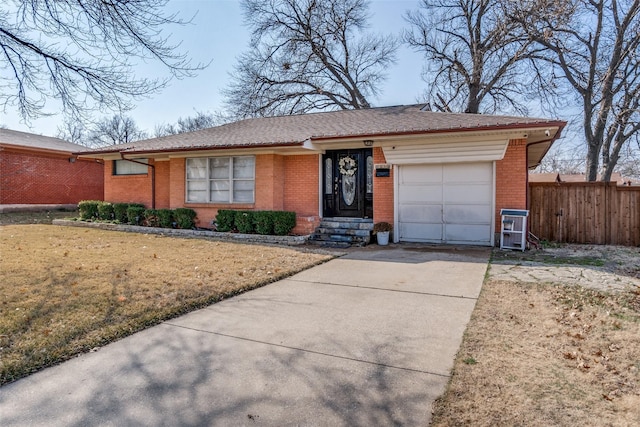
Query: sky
x,y
217,34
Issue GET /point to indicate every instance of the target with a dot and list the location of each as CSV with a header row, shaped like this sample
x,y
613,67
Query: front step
x,y
343,232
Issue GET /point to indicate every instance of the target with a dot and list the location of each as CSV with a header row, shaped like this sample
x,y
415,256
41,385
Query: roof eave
x,y
151,152
467,129
36,149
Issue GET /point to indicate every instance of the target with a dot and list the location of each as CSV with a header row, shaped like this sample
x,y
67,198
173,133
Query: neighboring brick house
x,y
37,169
438,177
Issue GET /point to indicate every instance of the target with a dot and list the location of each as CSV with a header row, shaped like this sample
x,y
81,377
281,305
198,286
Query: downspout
x,y
153,177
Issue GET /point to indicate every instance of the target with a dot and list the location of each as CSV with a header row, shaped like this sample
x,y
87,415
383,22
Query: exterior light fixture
x,y
368,142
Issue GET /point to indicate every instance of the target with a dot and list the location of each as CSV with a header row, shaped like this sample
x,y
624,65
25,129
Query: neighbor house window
x,y
125,167
221,179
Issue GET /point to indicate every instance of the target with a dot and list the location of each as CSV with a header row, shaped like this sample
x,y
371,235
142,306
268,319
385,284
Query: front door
x,y
348,183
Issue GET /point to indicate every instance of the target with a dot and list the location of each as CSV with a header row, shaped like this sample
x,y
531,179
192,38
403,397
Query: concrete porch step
x,y
343,232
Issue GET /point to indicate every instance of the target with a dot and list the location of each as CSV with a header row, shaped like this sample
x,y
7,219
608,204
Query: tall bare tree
x,y
308,55
83,53
591,48
118,129
73,131
474,55
199,121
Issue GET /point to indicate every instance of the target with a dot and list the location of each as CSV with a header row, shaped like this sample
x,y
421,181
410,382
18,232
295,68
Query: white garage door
x,y
446,203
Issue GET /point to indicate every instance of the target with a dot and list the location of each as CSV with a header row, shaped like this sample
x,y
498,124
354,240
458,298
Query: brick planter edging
x,y
231,237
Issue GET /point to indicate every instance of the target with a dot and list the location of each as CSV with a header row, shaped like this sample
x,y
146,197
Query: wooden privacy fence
x,y
585,212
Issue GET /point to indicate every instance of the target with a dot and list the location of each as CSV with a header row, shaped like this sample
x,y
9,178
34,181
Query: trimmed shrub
x,y
225,220
243,221
263,221
165,218
185,218
151,218
120,212
105,211
88,209
135,214
283,222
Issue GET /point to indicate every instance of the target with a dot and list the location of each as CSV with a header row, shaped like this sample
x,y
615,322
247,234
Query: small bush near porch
x,y
68,290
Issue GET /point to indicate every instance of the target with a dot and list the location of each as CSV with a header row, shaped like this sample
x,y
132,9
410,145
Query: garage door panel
x,y
467,193
420,213
467,214
417,232
467,172
446,203
422,193
469,233
418,174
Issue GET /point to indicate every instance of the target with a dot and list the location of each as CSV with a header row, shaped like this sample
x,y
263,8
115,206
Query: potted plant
x,y
381,230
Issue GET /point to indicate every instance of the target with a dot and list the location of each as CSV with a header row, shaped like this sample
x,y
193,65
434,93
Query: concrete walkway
x,y
366,339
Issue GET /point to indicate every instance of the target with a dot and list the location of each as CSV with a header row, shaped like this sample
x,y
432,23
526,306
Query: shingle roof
x,y
33,141
295,129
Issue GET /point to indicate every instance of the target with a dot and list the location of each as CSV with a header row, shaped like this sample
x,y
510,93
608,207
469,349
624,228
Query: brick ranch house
x,y
37,169
437,177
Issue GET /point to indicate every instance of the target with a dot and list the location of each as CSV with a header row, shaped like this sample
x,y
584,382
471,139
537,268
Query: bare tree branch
x,y
199,121
83,53
118,129
593,48
474,55
308,55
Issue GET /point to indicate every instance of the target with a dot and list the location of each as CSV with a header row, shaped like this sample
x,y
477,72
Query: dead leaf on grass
x,y
584,366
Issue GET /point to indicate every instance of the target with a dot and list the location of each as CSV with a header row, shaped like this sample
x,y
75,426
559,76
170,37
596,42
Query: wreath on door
x,y
347,166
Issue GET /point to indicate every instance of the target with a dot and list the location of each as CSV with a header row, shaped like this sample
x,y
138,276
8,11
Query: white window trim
x,y
210,180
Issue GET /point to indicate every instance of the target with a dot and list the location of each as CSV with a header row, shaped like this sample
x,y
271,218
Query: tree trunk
x,y
593,155
473,104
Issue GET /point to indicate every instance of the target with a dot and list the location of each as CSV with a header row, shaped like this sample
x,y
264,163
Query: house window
x,y
221,180
369,174
328,176
126,167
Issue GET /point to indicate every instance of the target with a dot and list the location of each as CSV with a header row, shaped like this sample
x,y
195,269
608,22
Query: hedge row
x,y
136,214
279,223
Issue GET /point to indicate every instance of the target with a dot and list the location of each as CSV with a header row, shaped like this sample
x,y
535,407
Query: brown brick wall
x,y
383,188
127,188
163,199
301,190
177,183
270,186
300,194
292,183
29,177
511,178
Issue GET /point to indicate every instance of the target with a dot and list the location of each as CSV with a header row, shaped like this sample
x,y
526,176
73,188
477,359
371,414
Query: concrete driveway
x,y
366,339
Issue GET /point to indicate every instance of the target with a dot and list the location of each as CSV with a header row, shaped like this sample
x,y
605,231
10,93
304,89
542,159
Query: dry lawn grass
x,y
45,217
539,354
68,290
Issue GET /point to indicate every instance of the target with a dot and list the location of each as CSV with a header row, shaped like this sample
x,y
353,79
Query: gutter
x,y
133,151
329,138
153,177
511,126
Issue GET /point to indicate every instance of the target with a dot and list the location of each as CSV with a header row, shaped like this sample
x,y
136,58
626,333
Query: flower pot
x,y
383,238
